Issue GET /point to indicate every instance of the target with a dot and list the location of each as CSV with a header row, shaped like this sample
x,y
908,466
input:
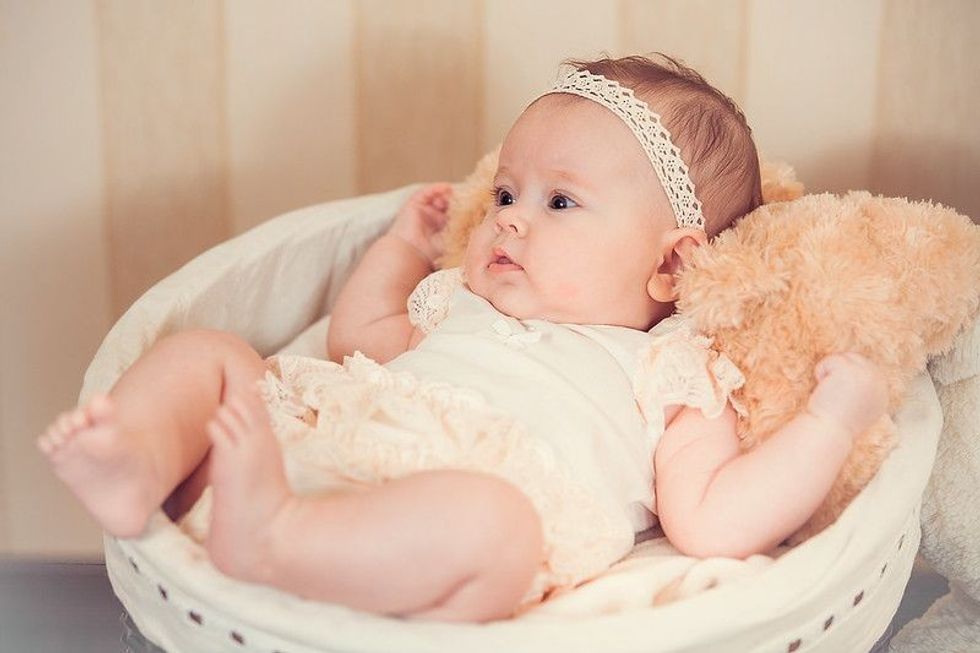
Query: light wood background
x,y
134,134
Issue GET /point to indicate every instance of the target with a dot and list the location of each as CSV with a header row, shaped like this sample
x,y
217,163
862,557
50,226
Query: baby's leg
x,y
444,545
124,454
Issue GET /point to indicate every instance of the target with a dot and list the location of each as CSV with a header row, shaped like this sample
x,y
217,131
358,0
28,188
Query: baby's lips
x,y
501,253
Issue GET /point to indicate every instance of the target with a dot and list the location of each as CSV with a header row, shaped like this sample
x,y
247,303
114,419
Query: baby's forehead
x,y
569,116
569,126
557,105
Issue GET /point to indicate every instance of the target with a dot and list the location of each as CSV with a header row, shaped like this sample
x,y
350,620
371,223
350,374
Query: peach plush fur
x,y
804,276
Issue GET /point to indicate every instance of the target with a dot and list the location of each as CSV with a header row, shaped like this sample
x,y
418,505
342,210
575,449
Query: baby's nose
x,y
510,220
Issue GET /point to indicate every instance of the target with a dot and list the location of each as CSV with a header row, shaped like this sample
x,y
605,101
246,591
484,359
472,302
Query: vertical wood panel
x,y
54,302
810,87
214,114
927,142
526,42
419,104
290,105
709,36
163,114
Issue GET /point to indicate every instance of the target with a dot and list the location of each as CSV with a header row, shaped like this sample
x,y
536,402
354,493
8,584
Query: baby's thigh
x,y
491,542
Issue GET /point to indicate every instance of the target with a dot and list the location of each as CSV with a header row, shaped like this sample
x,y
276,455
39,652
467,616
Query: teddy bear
x,y
804,276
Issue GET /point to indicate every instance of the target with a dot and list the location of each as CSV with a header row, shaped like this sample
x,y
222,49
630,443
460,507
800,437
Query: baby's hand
x,y
851,391
421,220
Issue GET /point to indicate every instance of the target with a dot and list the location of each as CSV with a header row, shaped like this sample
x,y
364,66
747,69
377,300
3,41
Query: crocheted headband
x,y
653,136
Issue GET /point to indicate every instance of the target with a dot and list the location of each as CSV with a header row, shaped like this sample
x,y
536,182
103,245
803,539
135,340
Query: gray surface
x,y
925,586
69,607
57,608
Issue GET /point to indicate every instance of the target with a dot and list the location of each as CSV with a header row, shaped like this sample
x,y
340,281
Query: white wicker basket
x,y
835,593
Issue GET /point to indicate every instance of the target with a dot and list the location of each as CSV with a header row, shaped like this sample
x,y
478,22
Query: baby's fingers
x,y
847,360
828,365
424,196
440,198
437,195
434,217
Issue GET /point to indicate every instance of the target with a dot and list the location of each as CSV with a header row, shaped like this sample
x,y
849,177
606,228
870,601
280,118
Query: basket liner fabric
x,y
273,285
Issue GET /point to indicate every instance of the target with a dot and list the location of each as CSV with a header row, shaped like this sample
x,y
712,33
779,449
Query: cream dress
x,y
570,414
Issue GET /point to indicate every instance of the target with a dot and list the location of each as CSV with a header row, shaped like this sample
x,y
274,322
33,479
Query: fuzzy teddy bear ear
x,y
779,183
467,207
730,277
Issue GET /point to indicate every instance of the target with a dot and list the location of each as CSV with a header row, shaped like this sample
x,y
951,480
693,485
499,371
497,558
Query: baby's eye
x,y
502,197
559,202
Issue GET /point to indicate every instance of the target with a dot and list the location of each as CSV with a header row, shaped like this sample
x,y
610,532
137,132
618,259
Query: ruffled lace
x,y
678,367
429,302
353,426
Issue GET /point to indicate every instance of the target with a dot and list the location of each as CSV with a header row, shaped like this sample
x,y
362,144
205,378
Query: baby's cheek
x,y
470,253
569,291
473,273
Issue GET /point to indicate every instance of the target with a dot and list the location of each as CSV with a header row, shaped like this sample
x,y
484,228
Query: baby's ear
x,y
676,252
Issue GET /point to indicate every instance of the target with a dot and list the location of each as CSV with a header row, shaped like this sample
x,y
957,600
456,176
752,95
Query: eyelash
x,y
497,190
495,195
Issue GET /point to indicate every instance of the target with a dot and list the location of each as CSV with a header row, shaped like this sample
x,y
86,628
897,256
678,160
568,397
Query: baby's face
x,y
578,214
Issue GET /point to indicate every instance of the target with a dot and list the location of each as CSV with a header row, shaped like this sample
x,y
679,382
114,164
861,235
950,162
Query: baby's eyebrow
x,y
571,178
559,174
501,173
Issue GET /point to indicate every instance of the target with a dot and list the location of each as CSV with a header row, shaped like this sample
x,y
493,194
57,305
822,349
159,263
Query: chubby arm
x,y
371,313
714,501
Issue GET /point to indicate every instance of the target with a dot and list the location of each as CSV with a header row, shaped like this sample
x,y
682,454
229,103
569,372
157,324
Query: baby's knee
x,y
225,349
508,528
502,535
491,521
205,340
517,524
498,514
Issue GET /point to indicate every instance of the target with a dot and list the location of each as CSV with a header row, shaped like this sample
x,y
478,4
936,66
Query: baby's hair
x,y
711,131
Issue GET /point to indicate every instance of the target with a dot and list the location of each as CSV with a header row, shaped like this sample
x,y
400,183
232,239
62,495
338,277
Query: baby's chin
x,y
509,302
506,302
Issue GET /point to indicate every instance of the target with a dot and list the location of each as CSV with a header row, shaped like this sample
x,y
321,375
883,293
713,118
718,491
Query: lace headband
x,y
653,136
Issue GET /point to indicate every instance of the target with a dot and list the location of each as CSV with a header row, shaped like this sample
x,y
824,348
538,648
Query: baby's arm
x,y
713,501
371,312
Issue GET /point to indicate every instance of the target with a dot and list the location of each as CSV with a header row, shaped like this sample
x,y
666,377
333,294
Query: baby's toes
x,y
257,409
99,409
65,423
59,430
56,435
79,420
230,421
47,443
219,433
233,420
242,410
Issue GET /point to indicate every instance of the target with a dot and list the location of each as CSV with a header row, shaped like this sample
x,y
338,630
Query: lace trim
x,y
678,366
429,302
353,426
652,134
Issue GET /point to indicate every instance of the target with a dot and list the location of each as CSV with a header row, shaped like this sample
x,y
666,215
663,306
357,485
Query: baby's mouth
x,y
501,262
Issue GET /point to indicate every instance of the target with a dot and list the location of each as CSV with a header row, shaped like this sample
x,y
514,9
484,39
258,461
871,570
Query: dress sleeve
x,y
678,366
429,302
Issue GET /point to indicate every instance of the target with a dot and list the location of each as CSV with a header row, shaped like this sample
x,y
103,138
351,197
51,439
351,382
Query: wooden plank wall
x,y
136,134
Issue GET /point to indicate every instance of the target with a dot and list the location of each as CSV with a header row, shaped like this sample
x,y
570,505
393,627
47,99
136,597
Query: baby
x,y
484,441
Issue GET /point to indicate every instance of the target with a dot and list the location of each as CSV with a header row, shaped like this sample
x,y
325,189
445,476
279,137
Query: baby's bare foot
x,y
249,486
109,472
